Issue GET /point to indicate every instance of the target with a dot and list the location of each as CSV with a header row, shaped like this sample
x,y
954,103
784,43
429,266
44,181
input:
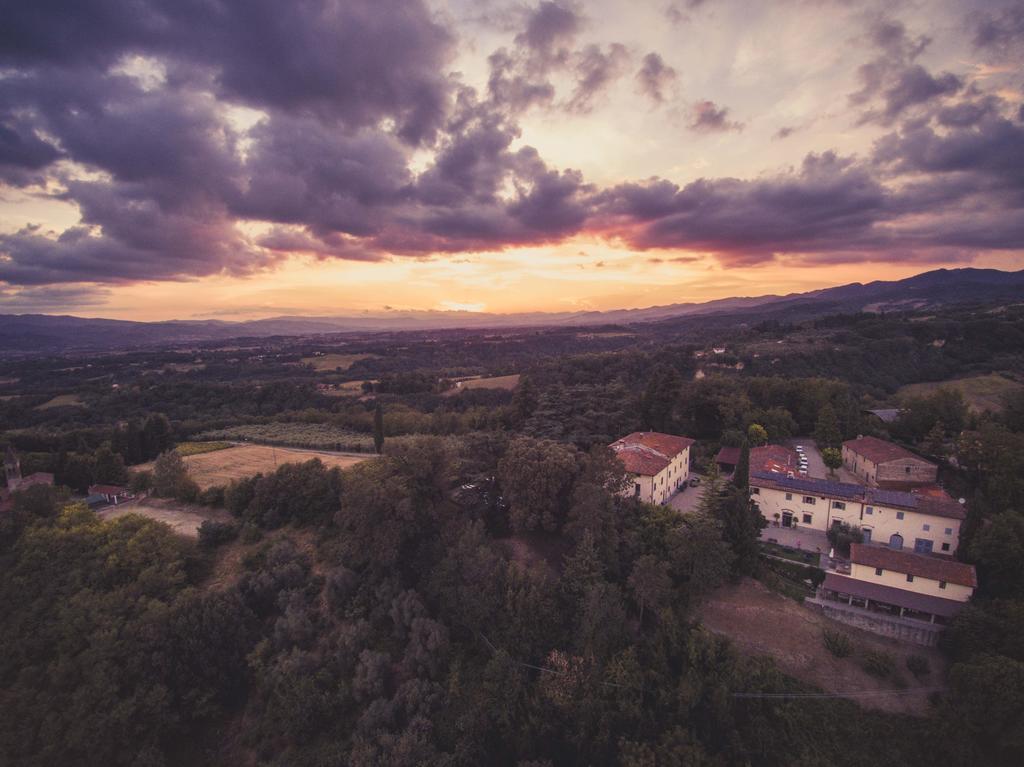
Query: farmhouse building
x,y
110,494
897,593
884,464
925,522
657,463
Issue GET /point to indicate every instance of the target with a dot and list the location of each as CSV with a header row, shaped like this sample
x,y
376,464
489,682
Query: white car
x,y
799,448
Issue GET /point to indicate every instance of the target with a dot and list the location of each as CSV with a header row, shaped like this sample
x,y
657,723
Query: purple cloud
x,y
708,117
655,77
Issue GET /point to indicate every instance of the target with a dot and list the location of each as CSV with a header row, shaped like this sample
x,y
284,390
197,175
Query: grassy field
x,y
62,400
331,363
311,436
198,448
497,382
980,392
220,467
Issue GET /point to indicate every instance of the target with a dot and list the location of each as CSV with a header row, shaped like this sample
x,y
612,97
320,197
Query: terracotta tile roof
x,y
775,458
879,451
649,452
878,592
921,565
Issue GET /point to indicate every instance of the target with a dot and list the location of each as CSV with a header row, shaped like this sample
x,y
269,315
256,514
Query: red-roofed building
x,y
111,494
658,463
896,593
772,458
885,464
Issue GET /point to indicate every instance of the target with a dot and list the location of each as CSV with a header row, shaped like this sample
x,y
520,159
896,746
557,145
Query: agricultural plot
x,y
496,382
62,400
980,392
220,467
331,363
309,436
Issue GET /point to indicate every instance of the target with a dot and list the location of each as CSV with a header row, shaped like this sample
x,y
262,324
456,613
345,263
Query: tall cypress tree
x,y
378,428
741,478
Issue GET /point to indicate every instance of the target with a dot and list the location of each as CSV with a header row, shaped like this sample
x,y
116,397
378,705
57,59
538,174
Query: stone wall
x,y
903,629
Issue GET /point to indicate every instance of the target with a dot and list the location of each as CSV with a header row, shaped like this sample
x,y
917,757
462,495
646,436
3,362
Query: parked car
x,y
694,481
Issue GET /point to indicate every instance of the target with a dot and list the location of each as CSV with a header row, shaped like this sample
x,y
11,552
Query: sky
x,y
236,159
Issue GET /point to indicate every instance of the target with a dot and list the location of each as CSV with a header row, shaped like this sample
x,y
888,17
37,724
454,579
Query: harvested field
x,y
497,382
331,363
761,622
222,466
183,518
62,400
980,392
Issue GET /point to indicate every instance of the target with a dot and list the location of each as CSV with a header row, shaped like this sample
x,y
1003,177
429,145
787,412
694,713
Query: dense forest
x,y
480,593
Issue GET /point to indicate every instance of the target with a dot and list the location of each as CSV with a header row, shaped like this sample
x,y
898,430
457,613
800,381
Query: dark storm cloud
x,y
999,31
355,61
708,117
829,201
893,82
655,77
23,152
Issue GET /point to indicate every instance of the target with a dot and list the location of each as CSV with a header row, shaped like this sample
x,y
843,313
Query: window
x,y
899,515
789,496
906,469
945,547
809,500
927,528
942,584
910,578
878,571
755,491
839,505
807,519
869,510
949,531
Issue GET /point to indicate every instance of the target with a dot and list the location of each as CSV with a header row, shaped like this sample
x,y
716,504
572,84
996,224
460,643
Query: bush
x,y
251,534
212,534
842,535
878,663
212,496
837,643
141,482
918,666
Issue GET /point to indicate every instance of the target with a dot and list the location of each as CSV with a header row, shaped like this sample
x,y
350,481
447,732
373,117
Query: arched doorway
x,y
895,541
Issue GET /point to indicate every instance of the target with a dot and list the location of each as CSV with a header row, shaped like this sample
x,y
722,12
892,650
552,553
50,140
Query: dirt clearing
x,y
761,622
183,518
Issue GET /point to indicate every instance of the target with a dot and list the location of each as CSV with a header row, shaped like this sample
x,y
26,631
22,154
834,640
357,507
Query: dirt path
x,y
761,622
183,518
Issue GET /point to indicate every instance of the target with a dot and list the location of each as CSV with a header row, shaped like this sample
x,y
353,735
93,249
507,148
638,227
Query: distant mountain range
x,y
27,333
